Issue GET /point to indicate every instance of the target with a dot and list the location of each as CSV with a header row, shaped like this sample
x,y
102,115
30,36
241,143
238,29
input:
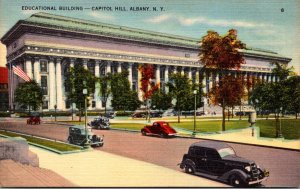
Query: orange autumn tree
x,y
221,54
147,87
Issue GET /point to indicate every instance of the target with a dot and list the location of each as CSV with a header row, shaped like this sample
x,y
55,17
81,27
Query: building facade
x,y
3,89
45,46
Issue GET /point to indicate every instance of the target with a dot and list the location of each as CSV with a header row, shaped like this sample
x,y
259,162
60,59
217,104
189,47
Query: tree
x,y
105,89
29,94
292,94
123,98
180,88
79,78
147,87
221,53
161,100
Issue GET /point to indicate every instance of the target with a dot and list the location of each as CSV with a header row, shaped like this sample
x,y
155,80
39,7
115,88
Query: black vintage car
x,y
77,136
100,123
218,161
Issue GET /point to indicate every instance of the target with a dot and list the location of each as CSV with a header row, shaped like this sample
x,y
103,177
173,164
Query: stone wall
x,y
17,149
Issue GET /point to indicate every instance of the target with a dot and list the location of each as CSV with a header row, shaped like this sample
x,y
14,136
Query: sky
x,y
266,24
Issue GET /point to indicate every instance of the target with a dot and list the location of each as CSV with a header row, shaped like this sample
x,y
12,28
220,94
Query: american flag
x,y
19,72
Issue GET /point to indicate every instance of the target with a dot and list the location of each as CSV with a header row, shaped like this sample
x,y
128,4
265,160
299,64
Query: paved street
x,y
283,164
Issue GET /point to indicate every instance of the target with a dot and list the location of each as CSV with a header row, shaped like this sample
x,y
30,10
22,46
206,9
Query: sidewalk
x,y
244,136
100,169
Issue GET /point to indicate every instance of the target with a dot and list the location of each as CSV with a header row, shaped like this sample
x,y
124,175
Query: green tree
x,y
105,89
29,94
77,79
161,100
179,88
123,98
292,94
221,54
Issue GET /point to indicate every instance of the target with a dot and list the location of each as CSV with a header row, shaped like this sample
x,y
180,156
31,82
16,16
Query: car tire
x,y
189,169
144,133
236,181
70,140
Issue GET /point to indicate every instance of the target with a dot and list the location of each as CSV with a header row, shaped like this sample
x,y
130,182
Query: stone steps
x,y
14,174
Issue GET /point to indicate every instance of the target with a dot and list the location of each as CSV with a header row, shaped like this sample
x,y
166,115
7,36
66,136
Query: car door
x,y
214,163
200,159
154,128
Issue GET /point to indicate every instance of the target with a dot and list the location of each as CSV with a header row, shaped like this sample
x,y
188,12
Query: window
x,y
44,65
45,105
93,104
199,152
44,85
212,154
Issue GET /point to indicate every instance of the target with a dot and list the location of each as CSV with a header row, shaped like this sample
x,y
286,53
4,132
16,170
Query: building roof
x,y
121,32
211,144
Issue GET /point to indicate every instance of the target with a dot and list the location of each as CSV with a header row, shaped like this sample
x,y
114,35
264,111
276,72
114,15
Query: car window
x,y
226,151
212,154
199,152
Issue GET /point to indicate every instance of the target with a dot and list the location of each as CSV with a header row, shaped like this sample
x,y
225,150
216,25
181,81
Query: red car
x,y
160,128
36,120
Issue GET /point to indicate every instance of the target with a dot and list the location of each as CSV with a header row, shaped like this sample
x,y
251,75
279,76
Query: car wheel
x,y
70,140
144,133
236,181
189,169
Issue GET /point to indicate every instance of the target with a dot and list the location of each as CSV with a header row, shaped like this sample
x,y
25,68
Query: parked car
x,y
242,113
110,115
138,115
155,114
34,119
160,128
100,123
217,160
77,136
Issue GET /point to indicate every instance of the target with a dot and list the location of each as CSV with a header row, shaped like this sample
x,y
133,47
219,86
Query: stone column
x,y
36,70
140,94
85,61
108,67
197,76
52,87
166,78
130,73
72,60
157,74
204,82
190,74
210,77
119,67
59,97
97,86
175,70
28,67
182,71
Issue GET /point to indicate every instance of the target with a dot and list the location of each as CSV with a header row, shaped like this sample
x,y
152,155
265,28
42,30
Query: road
x,y
283,165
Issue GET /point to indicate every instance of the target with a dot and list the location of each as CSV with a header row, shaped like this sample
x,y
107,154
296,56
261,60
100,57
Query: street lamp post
x,y
280,115
55,107
85,119
195,94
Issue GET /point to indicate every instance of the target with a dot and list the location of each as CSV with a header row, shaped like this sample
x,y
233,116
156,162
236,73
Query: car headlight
x,y
248,168
257,166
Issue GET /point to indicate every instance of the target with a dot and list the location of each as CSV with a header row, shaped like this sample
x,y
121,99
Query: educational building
x,y
46,45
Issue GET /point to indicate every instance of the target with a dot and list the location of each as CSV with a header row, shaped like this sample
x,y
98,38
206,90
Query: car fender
x,y
239,172
188,162
146,130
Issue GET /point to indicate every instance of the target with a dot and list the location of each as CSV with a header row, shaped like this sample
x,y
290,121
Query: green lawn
x,y
51,144
290,127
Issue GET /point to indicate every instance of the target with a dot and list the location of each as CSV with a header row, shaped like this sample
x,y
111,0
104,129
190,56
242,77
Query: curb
x,y
47,148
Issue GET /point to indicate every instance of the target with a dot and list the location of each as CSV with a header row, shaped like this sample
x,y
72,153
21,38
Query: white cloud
x,y
188,21
101,16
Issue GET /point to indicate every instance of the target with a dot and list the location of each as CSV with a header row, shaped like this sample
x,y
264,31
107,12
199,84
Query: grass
x,y
290,127
47,143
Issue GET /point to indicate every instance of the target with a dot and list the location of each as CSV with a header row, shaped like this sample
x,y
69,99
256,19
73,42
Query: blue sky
x,y
266,24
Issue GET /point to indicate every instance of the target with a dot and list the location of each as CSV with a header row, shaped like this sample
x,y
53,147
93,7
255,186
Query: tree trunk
x,y
223,118
232,112
228,114
80,112
296,115
178,114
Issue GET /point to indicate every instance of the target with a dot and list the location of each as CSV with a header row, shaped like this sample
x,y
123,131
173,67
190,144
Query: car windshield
x,y
226,151
165,124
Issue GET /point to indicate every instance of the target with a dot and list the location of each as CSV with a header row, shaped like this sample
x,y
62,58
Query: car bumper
x,y
256,181
172,134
